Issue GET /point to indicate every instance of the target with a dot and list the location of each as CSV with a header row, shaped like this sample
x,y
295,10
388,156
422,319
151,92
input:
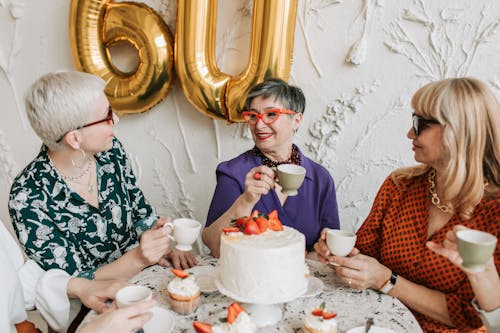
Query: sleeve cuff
x,y
29,274
491,319
145,224
52,301
89,275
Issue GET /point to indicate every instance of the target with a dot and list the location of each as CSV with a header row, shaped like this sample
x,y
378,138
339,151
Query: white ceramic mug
x,y
185,233
340,243
131,295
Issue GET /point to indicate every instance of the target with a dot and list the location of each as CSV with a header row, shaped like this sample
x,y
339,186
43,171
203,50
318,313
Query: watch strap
x,y
387,287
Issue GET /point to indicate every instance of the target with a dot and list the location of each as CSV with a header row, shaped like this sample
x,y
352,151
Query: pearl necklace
x,y
434,197
76,179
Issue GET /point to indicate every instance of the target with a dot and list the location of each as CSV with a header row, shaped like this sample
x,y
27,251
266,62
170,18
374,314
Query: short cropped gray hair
x,y
292,97
59,102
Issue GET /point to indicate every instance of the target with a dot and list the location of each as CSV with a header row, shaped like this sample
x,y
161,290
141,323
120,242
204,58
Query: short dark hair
x,y
292,97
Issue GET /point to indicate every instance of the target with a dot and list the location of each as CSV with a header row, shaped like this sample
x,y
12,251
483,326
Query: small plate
x,y
373,329
314,287
162,322
205,278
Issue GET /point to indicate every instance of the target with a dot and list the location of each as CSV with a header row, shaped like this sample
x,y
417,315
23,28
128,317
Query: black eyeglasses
x,y
109,117
419,123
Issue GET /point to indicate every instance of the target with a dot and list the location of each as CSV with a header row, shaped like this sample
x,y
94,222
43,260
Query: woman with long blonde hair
x,y
456,140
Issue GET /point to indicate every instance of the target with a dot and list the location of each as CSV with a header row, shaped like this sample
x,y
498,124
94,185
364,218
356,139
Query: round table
x,y
353,307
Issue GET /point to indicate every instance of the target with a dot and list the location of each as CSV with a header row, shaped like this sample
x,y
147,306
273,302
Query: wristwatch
x,y
387,287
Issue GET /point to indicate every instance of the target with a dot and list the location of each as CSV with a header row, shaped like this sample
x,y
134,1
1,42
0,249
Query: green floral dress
x,y
59,229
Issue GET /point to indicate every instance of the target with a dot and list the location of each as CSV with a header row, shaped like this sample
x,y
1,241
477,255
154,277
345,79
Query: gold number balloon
x,y
203,83
95,25
211,91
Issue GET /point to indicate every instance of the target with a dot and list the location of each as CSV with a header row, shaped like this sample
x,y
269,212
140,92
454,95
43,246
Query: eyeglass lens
x,y
267,116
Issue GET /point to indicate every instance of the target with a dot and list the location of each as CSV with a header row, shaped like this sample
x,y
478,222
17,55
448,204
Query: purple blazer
x,y
314,208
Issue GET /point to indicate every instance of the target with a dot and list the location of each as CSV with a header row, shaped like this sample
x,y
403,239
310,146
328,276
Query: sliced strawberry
x,y
233,311
202,327
251,228
317,312
273,215
230,229
329,315
255,213
238,307
275,225
262,223
179,273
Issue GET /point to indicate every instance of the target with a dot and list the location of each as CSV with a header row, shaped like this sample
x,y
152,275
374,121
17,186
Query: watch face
x,y
394,278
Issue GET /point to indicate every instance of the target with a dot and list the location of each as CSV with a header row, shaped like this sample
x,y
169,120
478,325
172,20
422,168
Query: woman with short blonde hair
x,y
76,206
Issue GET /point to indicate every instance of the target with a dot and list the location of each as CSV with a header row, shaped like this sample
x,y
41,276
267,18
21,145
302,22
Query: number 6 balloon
x,y
95,25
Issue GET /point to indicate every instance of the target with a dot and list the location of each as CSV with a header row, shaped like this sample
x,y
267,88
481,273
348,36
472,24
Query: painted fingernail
x,y
256,176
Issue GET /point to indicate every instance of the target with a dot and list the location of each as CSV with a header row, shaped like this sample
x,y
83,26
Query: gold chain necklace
x,y
434,197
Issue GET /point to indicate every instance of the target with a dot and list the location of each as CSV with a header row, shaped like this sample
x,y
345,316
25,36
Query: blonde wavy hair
x,y
470,115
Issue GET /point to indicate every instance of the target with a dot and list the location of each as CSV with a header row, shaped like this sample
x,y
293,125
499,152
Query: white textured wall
x,y
357,114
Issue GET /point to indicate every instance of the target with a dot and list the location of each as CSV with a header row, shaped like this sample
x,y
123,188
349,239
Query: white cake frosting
x,y
319,324
183,287
266,268
242,324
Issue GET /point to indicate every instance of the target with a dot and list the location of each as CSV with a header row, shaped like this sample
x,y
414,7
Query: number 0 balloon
x,y
212,92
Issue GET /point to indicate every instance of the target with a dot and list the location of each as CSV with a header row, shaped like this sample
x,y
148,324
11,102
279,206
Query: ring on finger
x,y
349,281
256,176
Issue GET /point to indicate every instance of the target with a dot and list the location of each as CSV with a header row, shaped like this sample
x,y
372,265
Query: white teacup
x,y
340,243
185,233
131,295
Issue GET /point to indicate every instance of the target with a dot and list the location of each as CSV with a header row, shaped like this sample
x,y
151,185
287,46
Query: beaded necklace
x,y
293,159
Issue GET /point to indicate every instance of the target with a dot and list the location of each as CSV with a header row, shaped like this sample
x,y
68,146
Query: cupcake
x,y
183,292
237,321
320,321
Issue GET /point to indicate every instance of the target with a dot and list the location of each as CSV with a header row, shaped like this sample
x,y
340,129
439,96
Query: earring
x,y
82,163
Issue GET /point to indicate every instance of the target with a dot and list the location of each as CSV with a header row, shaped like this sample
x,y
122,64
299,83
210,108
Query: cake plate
x,y
262,312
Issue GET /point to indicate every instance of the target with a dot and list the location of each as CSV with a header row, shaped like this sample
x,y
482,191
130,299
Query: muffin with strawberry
x,y
237,321
320,321
183,292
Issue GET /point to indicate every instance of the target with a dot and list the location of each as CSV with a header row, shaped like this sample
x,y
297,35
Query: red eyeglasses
x,y
268,116
109,117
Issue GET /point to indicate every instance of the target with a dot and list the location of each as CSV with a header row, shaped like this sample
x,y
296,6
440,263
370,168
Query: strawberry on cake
x,y
183,292
320,321
237,321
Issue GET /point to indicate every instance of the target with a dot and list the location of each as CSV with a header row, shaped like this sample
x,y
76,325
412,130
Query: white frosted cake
x,y
266,268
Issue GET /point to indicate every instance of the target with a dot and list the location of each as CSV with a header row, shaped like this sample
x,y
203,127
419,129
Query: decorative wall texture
x,y
358,62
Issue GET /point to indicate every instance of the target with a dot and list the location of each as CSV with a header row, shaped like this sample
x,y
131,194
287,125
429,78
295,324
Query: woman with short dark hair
x,y
274,111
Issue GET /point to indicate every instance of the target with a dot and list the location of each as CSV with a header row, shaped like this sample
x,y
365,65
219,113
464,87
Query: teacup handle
x,y
171,226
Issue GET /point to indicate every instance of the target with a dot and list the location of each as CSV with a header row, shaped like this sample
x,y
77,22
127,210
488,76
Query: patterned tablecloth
x,y
353,307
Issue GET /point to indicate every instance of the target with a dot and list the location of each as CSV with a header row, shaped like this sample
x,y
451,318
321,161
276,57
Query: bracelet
x,y
387,287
